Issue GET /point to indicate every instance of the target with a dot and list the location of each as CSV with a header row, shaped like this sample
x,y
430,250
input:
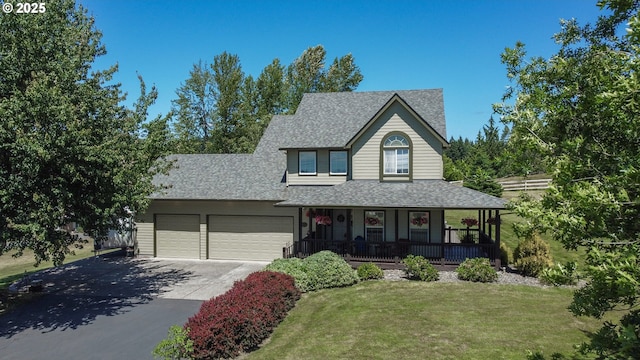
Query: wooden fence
x,y
518,185
524,185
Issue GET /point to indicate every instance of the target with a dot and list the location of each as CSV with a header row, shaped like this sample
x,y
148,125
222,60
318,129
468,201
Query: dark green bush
x,y
483,182
321,270
560,275
369,271
420,268
477,270
531,256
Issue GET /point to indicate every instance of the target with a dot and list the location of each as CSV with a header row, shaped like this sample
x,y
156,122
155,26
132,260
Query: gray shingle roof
x,y
375,194
259,176
330,120
256,176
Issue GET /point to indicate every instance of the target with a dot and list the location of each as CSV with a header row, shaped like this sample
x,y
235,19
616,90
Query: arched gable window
x,y
396,150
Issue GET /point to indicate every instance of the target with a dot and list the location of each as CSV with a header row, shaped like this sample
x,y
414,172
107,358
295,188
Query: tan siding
x,y
203,210
203,239
145,238
322,176
249,238
178,236
427,150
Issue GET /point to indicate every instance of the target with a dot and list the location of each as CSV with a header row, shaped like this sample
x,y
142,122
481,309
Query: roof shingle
x,y
330,120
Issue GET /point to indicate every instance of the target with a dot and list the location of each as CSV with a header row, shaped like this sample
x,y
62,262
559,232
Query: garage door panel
x,y
178,236
249,237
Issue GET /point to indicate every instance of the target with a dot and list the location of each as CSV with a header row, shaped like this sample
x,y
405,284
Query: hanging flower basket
x,y
323,220
469,222
420,220
493,221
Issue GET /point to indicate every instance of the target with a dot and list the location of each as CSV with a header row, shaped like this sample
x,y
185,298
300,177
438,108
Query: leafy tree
x,y
228,79
343,75
68,151
579,110
220,110
270,88
307,74
304,75
194,110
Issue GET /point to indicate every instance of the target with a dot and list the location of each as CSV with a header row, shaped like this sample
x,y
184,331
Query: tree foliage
x,y
580,111
194,111
219,109
68,151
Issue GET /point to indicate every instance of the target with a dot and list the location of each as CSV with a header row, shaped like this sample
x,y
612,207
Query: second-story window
x,y
307,162
396,155
338,162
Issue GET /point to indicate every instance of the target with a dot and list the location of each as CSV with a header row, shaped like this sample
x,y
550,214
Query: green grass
x,y
507,235
13,268
418,320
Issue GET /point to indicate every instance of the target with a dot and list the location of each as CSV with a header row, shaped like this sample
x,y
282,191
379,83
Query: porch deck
x,y
389,254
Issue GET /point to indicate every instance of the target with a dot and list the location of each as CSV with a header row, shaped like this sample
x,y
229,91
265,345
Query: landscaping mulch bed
x,y
504,277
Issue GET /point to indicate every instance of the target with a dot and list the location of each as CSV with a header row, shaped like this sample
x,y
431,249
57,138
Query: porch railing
x,y
457,247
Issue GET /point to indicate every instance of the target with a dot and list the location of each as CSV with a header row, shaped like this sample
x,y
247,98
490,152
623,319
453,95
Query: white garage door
x,y
178,236
249,237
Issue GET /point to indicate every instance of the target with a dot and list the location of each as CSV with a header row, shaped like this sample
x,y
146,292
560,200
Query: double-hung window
x,y
396,155
338,163
307,163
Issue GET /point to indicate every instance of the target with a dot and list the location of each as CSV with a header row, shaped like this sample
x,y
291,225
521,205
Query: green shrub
x,y
321,270
420,268
477,270
531,256
293,267
327,270
506,254
177,345
370,271
560,275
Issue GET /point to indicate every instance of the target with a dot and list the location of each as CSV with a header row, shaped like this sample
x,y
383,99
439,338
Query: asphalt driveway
x,y
113,307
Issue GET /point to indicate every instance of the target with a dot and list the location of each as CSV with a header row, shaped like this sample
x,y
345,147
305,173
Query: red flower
x,y
469,222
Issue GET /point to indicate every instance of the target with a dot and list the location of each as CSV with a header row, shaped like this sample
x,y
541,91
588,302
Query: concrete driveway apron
x,y
113,307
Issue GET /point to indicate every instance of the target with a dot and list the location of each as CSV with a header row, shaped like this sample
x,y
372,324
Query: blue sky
x,y
398,45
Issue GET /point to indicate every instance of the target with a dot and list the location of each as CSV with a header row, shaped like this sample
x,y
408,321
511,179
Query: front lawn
x,y
13,268
417,320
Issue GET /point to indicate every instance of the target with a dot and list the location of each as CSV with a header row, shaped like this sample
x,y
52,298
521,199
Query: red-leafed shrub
x,y
240,319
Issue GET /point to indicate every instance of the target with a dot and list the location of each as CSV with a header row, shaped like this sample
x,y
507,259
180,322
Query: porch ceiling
x,y
373,193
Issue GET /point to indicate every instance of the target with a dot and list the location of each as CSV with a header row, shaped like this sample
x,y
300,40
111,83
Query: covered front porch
x,y
386,236
383,222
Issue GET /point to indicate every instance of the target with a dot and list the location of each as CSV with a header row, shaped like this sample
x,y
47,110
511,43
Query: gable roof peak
x,y
331,120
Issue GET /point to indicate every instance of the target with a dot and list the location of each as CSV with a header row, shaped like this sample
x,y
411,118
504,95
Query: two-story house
x,y
358,173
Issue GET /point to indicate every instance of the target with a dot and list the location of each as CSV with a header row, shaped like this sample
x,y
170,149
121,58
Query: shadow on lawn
x,y
77,293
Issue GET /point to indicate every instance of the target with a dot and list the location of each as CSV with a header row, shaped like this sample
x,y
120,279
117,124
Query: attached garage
x,y
259,238
178,236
